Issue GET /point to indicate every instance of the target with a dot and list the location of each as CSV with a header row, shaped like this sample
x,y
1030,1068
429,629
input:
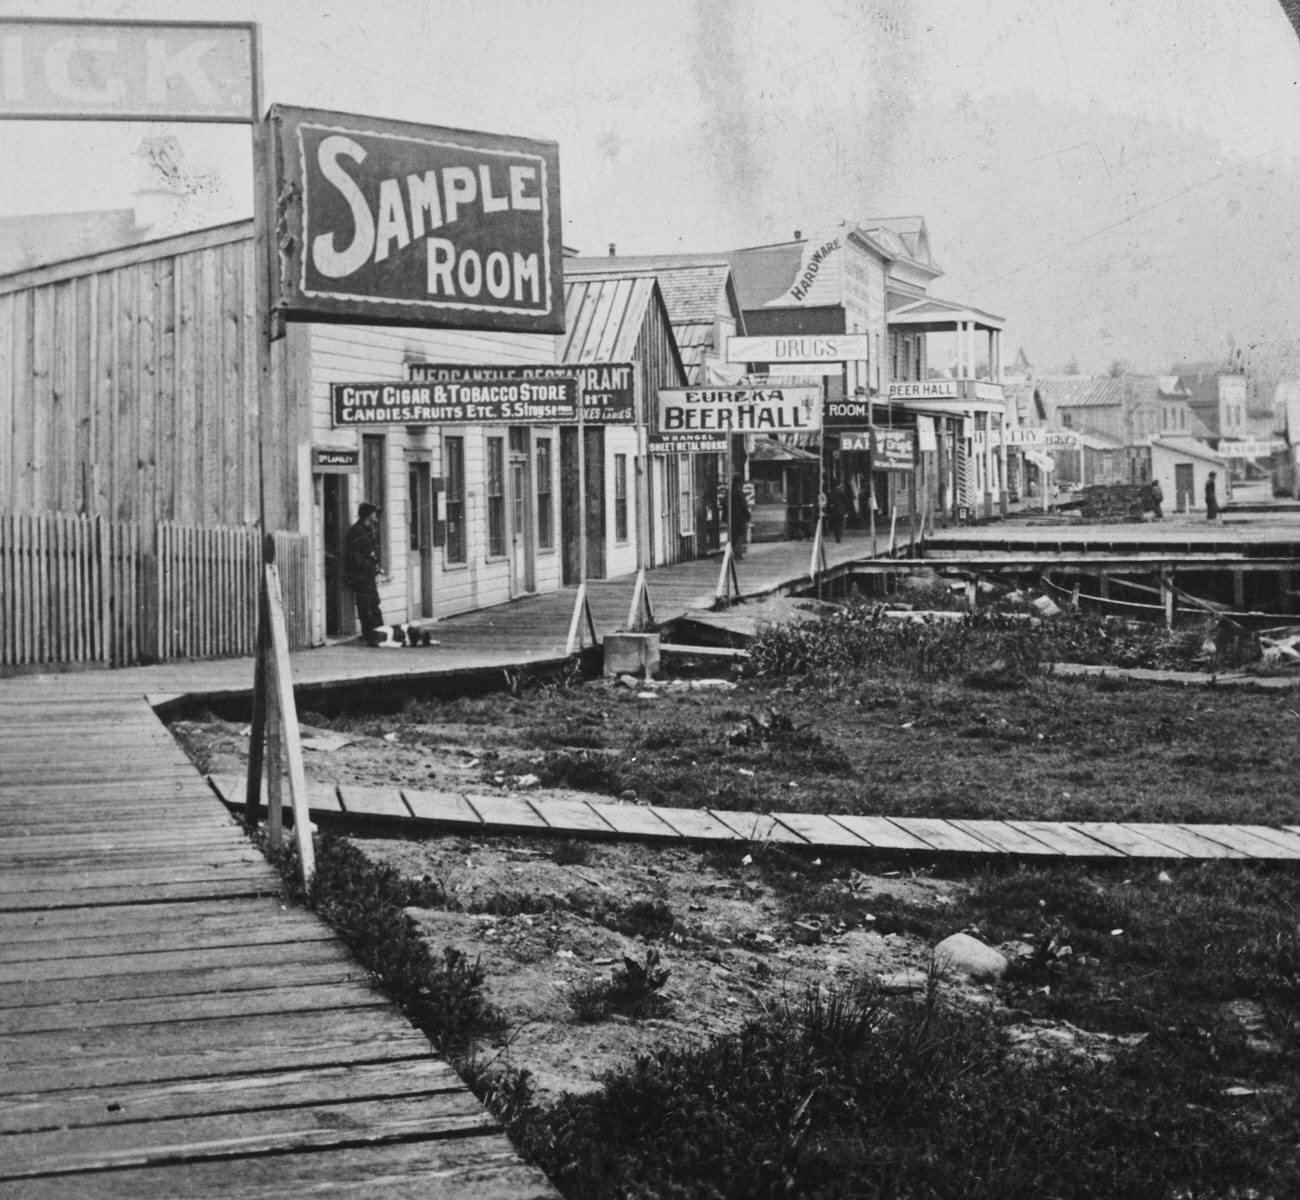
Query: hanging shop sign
x,y
484,402
608,389
1024,437
683,413
850,411
891,449
331,460
388,223
925,389
53,70
1256,448
798,348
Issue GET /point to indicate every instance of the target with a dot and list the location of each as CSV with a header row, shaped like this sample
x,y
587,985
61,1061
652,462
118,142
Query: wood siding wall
x,y
129,389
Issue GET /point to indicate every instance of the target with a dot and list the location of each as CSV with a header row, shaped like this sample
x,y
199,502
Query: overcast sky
x,y
1118,178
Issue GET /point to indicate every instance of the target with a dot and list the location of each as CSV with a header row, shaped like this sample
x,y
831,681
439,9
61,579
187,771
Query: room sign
x,y
388,223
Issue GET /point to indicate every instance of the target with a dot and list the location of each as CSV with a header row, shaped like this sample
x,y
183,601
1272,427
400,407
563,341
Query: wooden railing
x,y
87,590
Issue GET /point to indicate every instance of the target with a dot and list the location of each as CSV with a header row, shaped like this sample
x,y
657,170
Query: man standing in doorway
x,y
361,570
1211,499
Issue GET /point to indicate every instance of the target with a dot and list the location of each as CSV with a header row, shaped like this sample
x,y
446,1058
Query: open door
x,y
335,507
419,540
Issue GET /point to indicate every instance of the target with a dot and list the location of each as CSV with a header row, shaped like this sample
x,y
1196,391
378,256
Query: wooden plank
x,y
209,889
156,872
194,978
757,827
633,820
443,808
76,1108
188,1009
361,801
230,1135
1182,837
569,816
1008,839
943,835
109,944
1247,840
1068,840
880,833
820,830
695,824
1271,833
1127,840
61,1059
505,812
482,1167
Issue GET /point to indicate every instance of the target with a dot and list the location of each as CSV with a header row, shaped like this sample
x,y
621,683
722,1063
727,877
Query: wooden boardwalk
x,y
413,811
170,1026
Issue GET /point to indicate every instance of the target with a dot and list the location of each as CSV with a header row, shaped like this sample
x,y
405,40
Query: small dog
x,y
392,636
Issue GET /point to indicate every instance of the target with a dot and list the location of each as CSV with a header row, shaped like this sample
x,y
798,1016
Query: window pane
x,y
620,497
544,535
496,497
453,453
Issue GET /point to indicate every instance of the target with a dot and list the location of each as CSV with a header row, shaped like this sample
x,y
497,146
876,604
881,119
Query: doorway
x,y
335,507
419,539
523,578
1184,486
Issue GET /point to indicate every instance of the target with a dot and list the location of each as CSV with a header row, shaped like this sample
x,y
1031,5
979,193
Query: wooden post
x,y
283,683
257,729
1167,593
972,594
274,772
1239,590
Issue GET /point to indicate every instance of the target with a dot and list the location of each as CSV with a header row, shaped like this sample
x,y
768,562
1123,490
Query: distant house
x,y
1088,404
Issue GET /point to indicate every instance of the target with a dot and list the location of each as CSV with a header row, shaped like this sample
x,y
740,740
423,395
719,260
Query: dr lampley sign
x,y
384,222
516,401
692,411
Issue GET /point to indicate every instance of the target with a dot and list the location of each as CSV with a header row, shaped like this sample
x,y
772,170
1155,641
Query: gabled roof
x,y
910,231
696,287
1081,391
764,272
935,314
604,316
1187,445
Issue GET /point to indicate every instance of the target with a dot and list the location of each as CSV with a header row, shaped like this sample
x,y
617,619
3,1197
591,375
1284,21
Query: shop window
x,y
686,497
620,497
545,524
496,496
373,480
453,465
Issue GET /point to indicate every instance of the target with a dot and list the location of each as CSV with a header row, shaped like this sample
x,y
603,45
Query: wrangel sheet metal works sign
x,y
608,395
687,414
513,402
384,222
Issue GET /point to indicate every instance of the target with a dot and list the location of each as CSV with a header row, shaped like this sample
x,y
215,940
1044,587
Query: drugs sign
x,y
387,223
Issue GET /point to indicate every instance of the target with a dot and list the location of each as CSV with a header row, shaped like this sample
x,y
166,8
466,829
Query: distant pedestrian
x,y
739,517
361,568
833,509
1211,499
1157,497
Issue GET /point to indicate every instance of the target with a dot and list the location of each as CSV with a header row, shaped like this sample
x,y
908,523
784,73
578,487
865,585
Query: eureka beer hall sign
x,y
385,222
687,413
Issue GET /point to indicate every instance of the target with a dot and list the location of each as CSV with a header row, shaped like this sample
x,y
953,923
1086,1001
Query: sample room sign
x,y
388,223
608,392
495,402
686,414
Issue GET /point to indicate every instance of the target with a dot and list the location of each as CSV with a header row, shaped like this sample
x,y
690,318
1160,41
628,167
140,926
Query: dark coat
x,y
361,555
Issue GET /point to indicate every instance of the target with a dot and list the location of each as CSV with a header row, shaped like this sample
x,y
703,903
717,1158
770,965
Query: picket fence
x,y
87,590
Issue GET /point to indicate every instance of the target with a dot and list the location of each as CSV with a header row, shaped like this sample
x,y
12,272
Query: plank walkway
x,y
170,1025
414,811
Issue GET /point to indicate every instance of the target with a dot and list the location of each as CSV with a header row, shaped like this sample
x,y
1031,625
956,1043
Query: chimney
x,y
612,249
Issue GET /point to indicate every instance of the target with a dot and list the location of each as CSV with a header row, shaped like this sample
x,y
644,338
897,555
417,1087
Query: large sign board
x,y
1252,448
694,414
494,402
608,389
893,449
389,223
849,412
798,348
128,70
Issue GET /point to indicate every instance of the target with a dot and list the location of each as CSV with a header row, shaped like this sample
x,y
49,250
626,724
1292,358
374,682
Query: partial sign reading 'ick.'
x,y
408,224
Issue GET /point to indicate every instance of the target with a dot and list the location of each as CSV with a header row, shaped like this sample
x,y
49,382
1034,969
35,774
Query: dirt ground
x,y
740,931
